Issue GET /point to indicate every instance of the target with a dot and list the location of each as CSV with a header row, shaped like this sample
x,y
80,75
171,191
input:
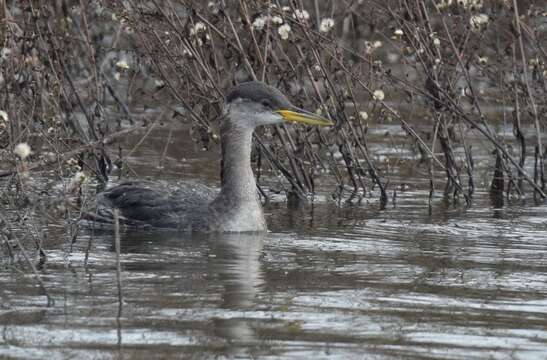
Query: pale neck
x,y
237,178
237,207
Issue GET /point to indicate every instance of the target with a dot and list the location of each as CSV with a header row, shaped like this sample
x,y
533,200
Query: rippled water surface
x,y
328,281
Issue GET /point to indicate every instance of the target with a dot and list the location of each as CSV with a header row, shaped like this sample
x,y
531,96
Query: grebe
x,y
195,207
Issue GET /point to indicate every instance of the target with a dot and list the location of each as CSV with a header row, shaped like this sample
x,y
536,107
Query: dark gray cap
x,y
259,92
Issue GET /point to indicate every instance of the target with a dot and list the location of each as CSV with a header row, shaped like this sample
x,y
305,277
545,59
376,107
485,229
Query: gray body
x,y
147,204
195,207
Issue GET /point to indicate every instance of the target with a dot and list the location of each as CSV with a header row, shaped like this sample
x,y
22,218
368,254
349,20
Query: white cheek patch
x,y
251,114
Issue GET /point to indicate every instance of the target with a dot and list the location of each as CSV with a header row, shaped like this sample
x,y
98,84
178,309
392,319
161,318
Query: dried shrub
x,y
76,76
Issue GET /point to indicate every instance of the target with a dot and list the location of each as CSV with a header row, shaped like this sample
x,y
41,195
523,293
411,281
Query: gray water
x,y
329,281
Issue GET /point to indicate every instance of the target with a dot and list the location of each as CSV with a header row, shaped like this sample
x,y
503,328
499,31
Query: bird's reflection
x,y
237,261
233,260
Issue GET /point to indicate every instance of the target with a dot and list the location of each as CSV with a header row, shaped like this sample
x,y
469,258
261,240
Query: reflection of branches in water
x,y
10,236
117,243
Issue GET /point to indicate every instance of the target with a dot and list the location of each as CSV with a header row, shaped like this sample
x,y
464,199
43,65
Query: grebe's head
x,y
252,104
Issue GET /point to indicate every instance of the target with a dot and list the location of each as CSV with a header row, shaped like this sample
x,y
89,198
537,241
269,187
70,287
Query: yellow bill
x,y
304,117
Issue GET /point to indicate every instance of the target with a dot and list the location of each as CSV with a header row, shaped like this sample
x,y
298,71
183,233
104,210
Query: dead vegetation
x,y
78,75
